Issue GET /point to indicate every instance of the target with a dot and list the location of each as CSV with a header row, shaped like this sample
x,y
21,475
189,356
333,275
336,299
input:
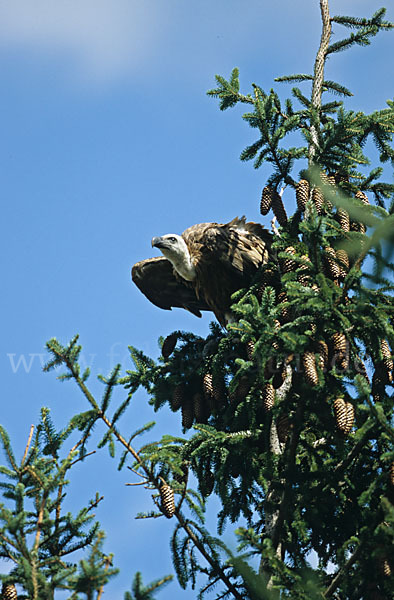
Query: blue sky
x,y
108,138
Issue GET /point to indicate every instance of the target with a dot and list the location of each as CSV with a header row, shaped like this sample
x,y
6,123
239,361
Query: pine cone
x,y
331,262
267,279
283,428
8,592
344,415
363,197
392,473
339,343
250,349
167,500
287,263
208,483
178,395
199,408
318,200
304,279
169,345
309,364
207,384
279,209
343,261
187,413
360,227
340,347
268,397
387,360
385,567
242,389
302,194
322,349
219,389
266,199
343,218
282,298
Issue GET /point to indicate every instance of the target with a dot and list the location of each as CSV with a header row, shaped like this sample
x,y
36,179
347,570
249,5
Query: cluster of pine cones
x,y
336,266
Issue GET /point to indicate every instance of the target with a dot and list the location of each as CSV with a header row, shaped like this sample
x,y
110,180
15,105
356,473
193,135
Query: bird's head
x,y
174,248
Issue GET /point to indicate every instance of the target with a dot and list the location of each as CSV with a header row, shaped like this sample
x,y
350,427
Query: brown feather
x,y
225,256
156,279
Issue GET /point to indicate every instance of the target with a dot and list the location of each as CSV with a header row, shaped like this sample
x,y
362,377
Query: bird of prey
x,y
203,267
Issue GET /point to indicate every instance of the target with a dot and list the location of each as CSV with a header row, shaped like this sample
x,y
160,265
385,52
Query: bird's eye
x,y
172,239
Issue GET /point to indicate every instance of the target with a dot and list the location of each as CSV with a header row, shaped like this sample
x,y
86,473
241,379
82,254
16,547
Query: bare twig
x,y
334,584
318,76
28,444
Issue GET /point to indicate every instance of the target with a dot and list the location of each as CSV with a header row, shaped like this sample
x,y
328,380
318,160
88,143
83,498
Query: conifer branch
x,y
215,566
335,582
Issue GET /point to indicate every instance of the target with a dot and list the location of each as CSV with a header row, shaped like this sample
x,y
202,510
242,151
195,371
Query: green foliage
x,y
141,592
341,134
36,535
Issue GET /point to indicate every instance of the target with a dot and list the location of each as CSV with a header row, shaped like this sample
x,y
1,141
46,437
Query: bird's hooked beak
x,y
158,242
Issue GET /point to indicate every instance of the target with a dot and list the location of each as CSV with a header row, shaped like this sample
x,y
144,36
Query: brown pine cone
x,y
318,200
267,279
178,395
302,194
340,347
219,389
343,262
339,343
288,264
285,312
169,345
242,389
209,482
8,592
167,500
385,567
392,473
279,209
268,397
343,218
363,197
322,350
309,364
250,349
199,408
304,278
187,413
331,263
344,415
266,199
387,360
360,227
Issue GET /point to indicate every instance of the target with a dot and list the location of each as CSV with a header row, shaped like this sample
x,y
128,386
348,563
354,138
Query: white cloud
x,y
100,39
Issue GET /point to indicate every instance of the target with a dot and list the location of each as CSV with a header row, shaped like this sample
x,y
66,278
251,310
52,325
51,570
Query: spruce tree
x,y
290,409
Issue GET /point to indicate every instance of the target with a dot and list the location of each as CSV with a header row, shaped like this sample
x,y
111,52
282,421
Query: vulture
x,y
203,267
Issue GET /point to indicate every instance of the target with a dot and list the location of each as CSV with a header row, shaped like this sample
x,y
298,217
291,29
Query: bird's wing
x,y
156,279
237,245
